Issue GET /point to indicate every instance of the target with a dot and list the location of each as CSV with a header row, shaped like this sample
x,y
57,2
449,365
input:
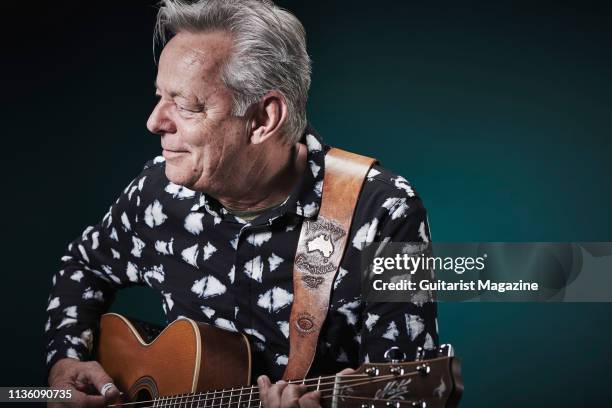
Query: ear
x,y
269,117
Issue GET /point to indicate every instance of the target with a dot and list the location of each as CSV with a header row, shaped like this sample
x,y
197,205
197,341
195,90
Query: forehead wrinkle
x,y
201,60
190,61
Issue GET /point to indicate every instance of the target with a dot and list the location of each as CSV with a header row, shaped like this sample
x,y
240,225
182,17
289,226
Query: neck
x,y
269,179
248,396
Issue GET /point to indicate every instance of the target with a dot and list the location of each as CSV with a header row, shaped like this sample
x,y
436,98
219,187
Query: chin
x,y
179,175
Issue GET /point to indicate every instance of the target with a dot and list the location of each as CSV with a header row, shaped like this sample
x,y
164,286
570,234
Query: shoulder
x,y
153,175
146,185
156,189
387,193
388,208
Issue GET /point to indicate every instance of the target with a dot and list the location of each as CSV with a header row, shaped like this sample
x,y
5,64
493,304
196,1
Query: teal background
x,y
499,114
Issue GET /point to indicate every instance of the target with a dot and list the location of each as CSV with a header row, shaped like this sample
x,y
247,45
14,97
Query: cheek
x,y
201,132
213,144
203,144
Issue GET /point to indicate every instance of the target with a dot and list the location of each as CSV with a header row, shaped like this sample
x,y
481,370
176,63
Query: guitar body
x,y
186,357
195,364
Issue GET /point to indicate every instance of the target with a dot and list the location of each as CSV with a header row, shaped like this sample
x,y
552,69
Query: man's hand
x,y
284,395
86,379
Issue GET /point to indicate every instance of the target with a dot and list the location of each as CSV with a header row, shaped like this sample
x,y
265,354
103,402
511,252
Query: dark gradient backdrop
x,y
498,113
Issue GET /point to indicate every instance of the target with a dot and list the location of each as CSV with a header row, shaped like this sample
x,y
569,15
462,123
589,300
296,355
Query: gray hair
x,y
269,50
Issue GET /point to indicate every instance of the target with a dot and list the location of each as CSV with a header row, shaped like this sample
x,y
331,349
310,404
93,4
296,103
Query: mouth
x,y
171,154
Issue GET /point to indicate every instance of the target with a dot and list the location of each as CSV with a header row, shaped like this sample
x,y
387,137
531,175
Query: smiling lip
x,y
170,154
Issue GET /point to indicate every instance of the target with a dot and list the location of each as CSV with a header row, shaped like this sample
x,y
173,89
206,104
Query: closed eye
x,y
182,108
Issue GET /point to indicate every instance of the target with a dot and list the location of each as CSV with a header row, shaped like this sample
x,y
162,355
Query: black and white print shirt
x,y
213,267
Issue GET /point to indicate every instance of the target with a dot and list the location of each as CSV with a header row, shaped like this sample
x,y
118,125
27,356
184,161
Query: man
x,y
213,224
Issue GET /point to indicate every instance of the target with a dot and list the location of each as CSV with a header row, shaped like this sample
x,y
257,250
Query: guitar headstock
x,y
432,383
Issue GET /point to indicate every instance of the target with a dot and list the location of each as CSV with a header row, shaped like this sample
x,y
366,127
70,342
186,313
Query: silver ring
x,y
106,387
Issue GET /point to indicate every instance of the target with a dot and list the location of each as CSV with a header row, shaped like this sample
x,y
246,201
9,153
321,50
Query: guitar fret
x,y
199,399
212,399
334,403
251,396
205,398
229,402
220,400
319,383
239,397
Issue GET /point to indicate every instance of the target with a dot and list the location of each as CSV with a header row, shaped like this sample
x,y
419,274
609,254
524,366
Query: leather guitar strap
x,y
319,252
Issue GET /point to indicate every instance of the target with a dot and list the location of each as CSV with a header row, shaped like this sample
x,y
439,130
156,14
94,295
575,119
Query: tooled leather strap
x,y
318,255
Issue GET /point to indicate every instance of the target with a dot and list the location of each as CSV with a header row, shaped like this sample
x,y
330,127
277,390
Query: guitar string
x,y
251,400
333,390
211,395
174,400
373,399
253,387
180,399
369,399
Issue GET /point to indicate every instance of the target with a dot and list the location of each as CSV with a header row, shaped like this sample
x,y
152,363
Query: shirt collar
x,y
305,198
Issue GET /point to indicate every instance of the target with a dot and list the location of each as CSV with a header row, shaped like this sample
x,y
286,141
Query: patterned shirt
x,y
214,267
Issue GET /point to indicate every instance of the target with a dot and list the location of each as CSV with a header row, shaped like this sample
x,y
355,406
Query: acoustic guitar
x,y
192,364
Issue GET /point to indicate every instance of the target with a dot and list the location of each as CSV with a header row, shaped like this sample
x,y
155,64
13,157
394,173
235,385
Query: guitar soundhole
x,y
143,395
144,389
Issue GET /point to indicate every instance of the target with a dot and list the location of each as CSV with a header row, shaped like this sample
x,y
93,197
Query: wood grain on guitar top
x,y
183,358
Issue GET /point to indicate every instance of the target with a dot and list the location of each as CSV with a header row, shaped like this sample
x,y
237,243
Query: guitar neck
x,y
432,383
243,397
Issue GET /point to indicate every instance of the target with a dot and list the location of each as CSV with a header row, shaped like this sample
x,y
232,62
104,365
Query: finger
x,y
264,384
102,382
291,395
310,400
94,401
347,371
273,399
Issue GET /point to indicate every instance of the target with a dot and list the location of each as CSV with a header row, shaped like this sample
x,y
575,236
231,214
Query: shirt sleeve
x,y
405,325
103,259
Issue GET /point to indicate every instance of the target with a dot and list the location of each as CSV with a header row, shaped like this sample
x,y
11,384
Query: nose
x,y
159,121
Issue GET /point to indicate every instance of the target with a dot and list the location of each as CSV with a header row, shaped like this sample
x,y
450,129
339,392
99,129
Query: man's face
x,y
201,141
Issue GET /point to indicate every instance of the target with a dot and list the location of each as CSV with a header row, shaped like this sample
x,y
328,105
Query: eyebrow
x,y
172,93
